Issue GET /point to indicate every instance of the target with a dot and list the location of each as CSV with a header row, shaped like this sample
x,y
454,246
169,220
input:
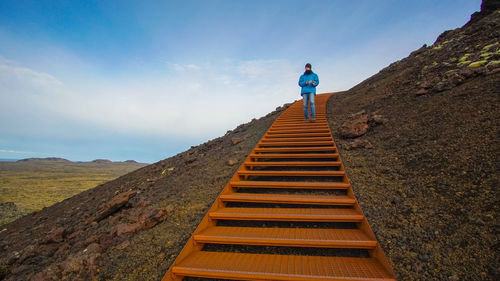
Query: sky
x,y
145,80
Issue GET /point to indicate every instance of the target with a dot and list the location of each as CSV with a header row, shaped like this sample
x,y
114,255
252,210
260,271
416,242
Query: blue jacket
x,y
310,87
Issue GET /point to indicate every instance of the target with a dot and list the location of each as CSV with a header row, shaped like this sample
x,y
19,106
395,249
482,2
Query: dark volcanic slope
x,y
429,187
130,228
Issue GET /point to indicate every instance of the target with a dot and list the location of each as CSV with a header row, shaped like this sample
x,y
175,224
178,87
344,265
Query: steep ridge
x,y
262,192
429,183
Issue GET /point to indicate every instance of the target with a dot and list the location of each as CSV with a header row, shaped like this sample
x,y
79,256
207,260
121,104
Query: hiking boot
x,y
313,119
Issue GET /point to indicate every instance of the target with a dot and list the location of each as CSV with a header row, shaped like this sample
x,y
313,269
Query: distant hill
x,y
58,159
101,161
8,160
51,159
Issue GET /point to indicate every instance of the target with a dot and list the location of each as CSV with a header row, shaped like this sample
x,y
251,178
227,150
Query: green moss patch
x,y
4,269
464,58
451,72
478,63
488,47
464,63
494,63
486,55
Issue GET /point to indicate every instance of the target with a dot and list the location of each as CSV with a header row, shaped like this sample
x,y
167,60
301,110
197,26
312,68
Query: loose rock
x,y
358,143
355,127
422,91
114,204
236,140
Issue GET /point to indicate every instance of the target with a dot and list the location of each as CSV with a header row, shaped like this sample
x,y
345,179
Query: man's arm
x,y
302,83
316,80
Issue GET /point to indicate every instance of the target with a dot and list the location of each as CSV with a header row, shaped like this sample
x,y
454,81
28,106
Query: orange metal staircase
x,y
293,176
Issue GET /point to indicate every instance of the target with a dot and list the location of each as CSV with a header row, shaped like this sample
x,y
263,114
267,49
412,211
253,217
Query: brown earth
x,y
428,186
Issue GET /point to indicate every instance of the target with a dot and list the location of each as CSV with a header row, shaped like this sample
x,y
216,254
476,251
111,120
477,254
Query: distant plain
x,y
36,183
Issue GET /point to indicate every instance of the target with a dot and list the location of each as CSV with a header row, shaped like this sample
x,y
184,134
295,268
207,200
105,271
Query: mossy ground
x,y
35,184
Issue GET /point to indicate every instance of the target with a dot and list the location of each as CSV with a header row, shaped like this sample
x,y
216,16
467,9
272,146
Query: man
x,y
308,81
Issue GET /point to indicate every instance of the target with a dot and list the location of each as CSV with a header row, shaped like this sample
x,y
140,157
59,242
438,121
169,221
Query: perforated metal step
x,y
243,266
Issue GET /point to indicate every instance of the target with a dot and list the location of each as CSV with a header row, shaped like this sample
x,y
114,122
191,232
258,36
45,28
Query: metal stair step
x,y
290,184
297,149
268,139
294,164
288,214
288,198
291,237
297,143
293,135
249,266
292,173
294,155
289,131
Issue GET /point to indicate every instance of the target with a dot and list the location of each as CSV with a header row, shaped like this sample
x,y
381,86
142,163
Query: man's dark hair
x,y
310,69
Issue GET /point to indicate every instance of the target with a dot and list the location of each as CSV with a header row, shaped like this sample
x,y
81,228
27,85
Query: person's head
x,y
308,68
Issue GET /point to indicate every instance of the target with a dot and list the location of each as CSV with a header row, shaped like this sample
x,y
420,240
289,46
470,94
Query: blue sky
x,y
145,80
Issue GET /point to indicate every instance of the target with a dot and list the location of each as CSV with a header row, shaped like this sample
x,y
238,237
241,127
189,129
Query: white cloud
x,y
189,101
195,101
8,70
192,66
10,151
24,95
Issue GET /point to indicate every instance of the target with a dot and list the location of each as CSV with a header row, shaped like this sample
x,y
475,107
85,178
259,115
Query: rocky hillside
x,y
130,228
420,143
